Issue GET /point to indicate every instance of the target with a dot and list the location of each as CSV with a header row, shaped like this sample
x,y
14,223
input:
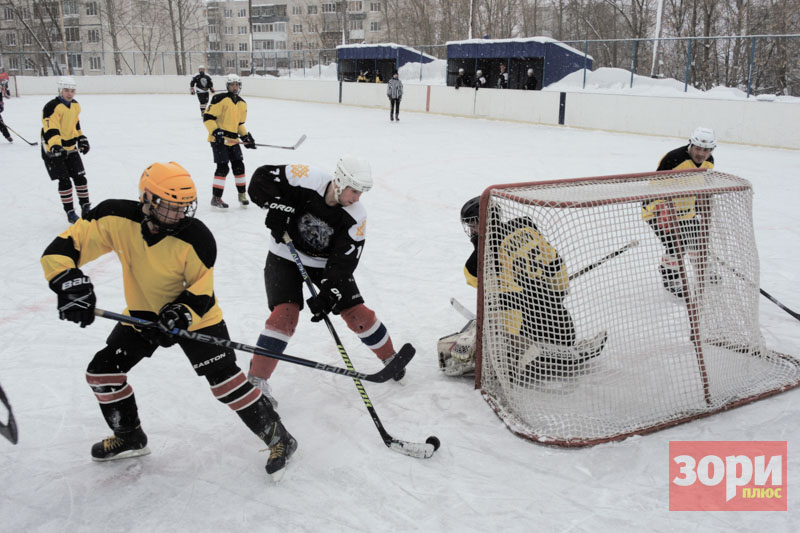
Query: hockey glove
x,y
83,144
171,316
279,217
191,91
57,151
76,297
219,137
248,141
325,302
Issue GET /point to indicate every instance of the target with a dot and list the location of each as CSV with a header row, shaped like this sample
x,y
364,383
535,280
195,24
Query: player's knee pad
x,y
284,318
238,167
359,318
222,169
64,184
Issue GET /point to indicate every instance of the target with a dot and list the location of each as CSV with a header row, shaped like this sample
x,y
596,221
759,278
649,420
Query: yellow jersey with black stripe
x,y
61,124
677,159
228,112
156,269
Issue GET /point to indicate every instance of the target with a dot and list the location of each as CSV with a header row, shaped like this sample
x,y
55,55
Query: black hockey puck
x,y
434,441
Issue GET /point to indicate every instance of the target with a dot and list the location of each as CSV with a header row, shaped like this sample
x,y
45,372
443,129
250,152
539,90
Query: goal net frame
x,y
629,192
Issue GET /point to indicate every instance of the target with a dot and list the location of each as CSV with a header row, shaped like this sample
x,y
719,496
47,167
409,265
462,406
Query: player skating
x,y
327,223
63,142
3,128
224,119
168,275
200,85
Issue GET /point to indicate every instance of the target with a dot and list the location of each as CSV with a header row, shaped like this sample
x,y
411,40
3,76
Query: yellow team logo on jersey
x,y
362,229
299,171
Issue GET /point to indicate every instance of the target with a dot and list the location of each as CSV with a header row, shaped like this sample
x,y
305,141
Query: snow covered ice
x,y
205,472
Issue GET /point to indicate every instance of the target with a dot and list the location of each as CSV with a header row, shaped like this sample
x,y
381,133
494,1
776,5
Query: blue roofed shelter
x,y
383,59
550,60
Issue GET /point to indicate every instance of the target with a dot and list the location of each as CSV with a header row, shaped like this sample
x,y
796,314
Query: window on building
x,y
297,10
329,8
243,12
228,30
374,26
355,6
95,63
228,13
297,28
93,36
26,13
280,45
356,24
8,14
72,33
75,60
229,47
230,63
311,9
297,45
29,64
213,45
212,29
27,40
242,30
91,8
244,63
312,27
71,7
11,39
13,63
374,6
243,47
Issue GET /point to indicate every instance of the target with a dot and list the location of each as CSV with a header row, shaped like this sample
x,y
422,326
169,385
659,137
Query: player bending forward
x,y
327,223
533,285
168,272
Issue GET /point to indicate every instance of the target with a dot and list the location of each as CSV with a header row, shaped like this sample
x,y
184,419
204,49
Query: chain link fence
x,y
755,64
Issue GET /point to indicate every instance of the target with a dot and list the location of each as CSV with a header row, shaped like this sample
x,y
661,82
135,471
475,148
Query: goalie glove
x,y
76,298
325,302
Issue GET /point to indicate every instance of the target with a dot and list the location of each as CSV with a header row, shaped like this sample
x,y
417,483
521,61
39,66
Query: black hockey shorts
x,y
65,167
127,346
688,231
285,284
203,97
223,154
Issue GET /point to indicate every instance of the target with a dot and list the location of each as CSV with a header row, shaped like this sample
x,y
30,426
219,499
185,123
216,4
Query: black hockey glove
x,y
170,317
83,144
57,151
219,136
325,302
248,141
76,297
279,217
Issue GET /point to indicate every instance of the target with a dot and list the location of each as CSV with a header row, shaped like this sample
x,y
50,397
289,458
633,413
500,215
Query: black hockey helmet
x,y
469,215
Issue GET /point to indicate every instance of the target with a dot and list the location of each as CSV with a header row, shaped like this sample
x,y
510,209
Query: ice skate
x,y
243,199
85,208
281,448
401,374
216,201
121,446
72,216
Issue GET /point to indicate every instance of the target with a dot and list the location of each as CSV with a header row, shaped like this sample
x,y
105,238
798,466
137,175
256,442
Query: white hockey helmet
x,y
479,73
354,172
233,78
66,82
461,71
201,67
530,72
703,138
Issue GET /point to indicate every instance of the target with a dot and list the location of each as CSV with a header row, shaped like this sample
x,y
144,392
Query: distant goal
x,y
579,342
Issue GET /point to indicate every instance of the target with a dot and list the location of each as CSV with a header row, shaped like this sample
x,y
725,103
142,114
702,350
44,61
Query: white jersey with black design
x,y
329,237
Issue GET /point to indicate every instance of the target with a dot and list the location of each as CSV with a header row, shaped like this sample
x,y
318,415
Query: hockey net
x,y
610,352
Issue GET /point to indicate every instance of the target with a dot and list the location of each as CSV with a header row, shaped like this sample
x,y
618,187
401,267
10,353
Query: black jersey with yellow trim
x,y
228,112
61,124
677,159
156,269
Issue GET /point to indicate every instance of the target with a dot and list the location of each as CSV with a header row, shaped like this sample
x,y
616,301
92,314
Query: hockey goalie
x,y
533,284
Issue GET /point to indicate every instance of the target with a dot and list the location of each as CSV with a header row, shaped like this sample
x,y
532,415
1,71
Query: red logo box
x,y
727,476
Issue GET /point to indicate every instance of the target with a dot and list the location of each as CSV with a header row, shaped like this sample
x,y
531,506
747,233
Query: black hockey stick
x,y
20,136
388,372
766,295
293,147
634,243
8,430
412,449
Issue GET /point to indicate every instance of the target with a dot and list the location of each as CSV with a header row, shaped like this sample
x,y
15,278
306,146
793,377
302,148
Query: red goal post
x,y
663,359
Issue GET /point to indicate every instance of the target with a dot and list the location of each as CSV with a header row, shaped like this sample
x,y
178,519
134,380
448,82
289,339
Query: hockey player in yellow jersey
x,y
63,142
224,119
167,261
695,155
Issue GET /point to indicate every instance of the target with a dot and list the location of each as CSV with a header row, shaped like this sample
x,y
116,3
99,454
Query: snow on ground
x,y
206,472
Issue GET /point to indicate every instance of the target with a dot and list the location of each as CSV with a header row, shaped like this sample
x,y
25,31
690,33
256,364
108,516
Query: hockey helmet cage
x,y
66,82
354,172
174,196
233,78
469,216
703,138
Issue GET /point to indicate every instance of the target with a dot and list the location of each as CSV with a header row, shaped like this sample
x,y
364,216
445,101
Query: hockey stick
x,y
463,311
20,136
767,295
8,430
293,147
402,358
634,243
412,449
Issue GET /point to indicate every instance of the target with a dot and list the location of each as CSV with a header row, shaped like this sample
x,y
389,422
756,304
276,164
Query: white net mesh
x,y
659,323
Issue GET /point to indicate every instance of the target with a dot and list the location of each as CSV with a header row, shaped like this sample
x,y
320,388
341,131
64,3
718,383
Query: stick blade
x,y
299,142
401,359
412,449
8,430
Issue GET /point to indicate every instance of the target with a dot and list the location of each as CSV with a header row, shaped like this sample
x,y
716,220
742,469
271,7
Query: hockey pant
x,y
68,169
223,155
